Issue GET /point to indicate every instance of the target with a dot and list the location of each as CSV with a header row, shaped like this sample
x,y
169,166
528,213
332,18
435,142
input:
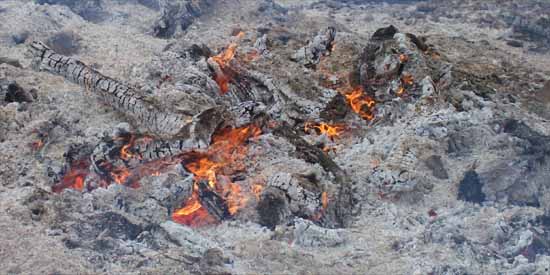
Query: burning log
x,y
339,213
172,133
212,201
180,14
299,197
310,55
165,138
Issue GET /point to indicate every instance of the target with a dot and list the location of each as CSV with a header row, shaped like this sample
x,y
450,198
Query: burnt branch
x,y
143,113
339,214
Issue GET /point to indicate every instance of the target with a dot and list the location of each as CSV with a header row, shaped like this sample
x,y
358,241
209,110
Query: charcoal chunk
x,y
117,226
273,208
436,165
470,188
14,93
385,33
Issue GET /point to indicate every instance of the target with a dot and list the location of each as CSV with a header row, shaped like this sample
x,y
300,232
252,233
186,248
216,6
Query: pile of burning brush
x,y
243,106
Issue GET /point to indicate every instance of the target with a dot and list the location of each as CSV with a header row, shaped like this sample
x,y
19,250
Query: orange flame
x,y
224,157
400,91
257,190
324,200
125,153
407,79
223,60
227,55
361,103
74,178
193,213
120,174
331,131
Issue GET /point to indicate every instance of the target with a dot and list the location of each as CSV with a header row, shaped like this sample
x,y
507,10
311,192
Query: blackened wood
x,y
338,213
214,204
273,208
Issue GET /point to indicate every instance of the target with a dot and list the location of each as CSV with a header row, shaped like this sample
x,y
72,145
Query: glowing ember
x,y
120,174
331,131
224,157
324,200
74,178
400,91
125,153
235,199
407,79
193,213
223,60
360,103
37,145
257,190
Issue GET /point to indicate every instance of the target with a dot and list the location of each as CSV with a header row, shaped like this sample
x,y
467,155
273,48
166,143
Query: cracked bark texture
x,y
164,133
142,112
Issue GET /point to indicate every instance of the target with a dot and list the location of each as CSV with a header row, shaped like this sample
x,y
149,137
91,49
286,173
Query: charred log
x,y
214,203
142,112
339,213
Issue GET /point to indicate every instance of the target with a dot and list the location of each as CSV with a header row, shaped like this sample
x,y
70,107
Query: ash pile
x,y
219,137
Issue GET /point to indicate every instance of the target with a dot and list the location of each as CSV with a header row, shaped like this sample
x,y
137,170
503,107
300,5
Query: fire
x,y
75,177
224,157
125,153
193,213
155,173
331,131
321,212
400,91
227,55
223,59
407,79
324,200
235,199
120,174
257,190
361,103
